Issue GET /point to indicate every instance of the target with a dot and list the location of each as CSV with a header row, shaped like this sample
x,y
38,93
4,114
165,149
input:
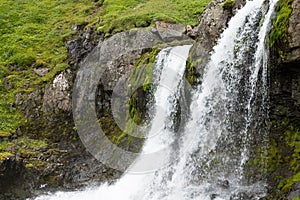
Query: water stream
x,y
226,118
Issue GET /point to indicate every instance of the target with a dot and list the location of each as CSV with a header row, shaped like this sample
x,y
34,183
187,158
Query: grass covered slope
x,y
32,35
119,15
33,32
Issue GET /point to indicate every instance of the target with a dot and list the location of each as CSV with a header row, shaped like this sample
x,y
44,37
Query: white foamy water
x,y
213,147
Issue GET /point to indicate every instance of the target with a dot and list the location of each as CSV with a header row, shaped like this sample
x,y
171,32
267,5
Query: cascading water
x,y
168,73
226,118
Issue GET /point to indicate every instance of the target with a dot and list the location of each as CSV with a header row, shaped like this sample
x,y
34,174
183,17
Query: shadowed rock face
x,y
65,162
49,110
284,76
285,102
211,24
11,180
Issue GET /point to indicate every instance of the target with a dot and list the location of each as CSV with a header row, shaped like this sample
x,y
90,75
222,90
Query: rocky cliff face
x,y
284,136
293,51
66,164
62,162
211,25
284,158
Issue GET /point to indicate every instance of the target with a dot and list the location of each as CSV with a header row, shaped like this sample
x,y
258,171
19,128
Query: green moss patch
x,y
24,147
228,4
286,148
278,35
191,73
293,141
4,134
288,183
5,155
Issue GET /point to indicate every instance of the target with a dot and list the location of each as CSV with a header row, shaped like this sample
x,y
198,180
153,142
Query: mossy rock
x,y
5,155
289,182
5,134
279,33
228,5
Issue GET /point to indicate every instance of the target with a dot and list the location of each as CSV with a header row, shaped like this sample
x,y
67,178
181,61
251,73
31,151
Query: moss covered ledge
x,y
279,33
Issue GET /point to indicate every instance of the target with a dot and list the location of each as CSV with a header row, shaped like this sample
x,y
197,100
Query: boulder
x,y
169,32
294,34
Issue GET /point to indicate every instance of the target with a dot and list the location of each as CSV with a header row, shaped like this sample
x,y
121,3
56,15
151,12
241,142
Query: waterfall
x,y
226,118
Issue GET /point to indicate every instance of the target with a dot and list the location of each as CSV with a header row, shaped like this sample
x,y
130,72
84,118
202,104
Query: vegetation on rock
x,y
24,147
228,4
278,34
33,36
284,147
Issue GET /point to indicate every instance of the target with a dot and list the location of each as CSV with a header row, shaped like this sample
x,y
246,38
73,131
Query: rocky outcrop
x,y
63,162
47,152
170,32
57,95
285,111
293,53
85,41
212,23
106,70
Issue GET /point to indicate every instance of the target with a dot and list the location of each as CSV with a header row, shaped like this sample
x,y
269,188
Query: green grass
x,y
33,32
119,15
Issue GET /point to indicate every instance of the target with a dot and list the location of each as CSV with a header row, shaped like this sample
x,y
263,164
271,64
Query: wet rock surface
x,y
241,196
64,163
285,107
211,24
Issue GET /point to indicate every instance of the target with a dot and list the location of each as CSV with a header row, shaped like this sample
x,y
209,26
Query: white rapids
x,y
213,146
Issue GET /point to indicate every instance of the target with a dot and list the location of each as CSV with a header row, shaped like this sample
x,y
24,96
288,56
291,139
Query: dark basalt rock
x,y
79,47
285,104
211,24
12,178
